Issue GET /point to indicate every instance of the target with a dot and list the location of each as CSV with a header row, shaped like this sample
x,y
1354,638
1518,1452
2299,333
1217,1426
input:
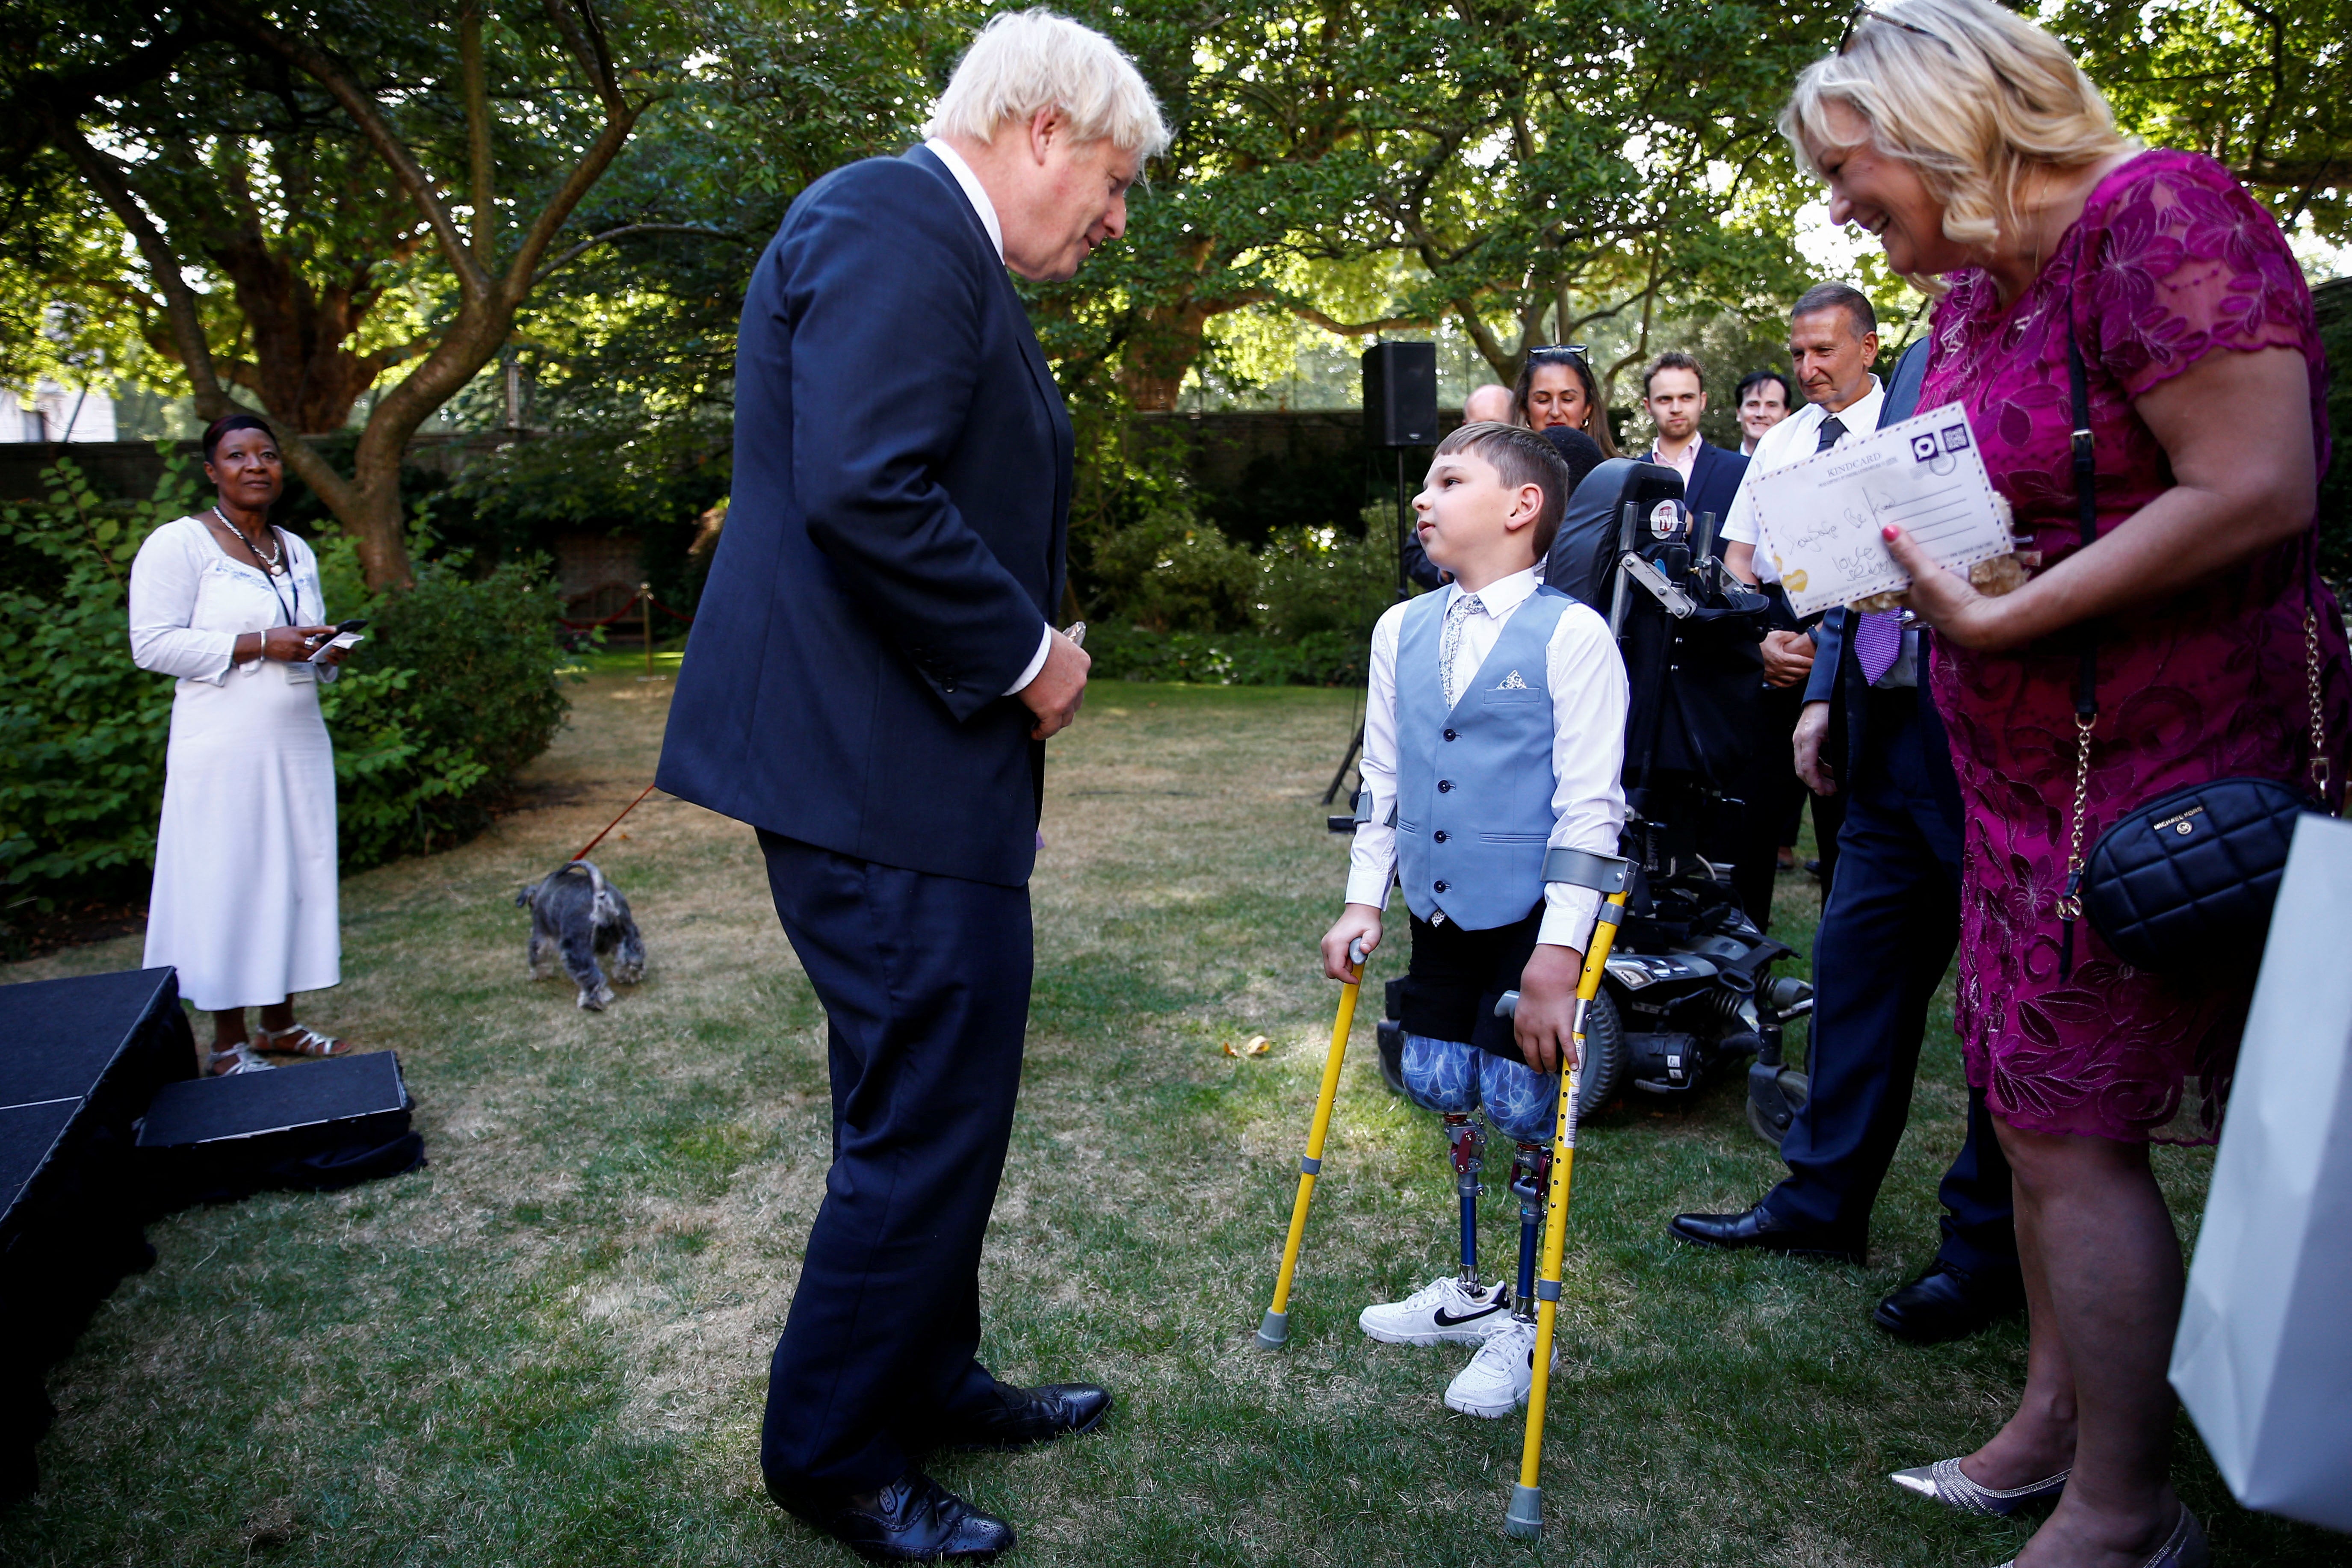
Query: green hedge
x,y
1226,659
455,690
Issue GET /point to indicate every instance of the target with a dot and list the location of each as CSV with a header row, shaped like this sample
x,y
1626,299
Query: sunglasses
x,y
1566,351
1865,13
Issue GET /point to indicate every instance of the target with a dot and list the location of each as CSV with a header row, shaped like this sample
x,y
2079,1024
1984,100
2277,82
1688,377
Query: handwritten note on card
x,y
1821,516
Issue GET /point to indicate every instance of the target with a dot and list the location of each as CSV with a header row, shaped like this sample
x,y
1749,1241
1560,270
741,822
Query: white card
x,y
1821,516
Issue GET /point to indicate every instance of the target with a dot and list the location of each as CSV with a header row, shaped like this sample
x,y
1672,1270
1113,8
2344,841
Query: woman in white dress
x,y
245,900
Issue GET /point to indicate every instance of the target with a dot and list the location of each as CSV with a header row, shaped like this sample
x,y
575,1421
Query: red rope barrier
x,y
623,610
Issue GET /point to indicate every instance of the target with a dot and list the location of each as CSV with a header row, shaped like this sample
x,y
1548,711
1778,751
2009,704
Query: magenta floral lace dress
x,y
2170,261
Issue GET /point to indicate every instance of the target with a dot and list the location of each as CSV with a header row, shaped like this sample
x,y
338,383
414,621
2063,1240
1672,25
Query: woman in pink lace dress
x,y
1968,142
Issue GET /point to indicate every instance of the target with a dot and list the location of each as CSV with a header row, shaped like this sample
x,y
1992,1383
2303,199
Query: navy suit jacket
x,y
894,543
1837,677
1715,479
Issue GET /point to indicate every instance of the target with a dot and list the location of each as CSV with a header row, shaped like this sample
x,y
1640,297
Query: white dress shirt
x,y
1587,747
1796,436
977,194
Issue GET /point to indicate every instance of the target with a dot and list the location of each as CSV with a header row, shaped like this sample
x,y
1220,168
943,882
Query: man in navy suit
x,y
870,683
1888,929
1675,392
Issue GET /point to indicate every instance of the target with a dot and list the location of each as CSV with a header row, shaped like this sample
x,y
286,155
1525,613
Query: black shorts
x,y
1457,977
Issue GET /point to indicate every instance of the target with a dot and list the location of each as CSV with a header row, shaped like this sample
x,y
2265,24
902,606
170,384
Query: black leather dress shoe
x,y
1036,1415
1760,1227
1947,1303
912,1520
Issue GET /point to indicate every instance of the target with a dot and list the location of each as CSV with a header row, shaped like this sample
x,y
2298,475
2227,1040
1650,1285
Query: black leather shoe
x,y
1036,1415
1947,1303
912,1520
1760,1227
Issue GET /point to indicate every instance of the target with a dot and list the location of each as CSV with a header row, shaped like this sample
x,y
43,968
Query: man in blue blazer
x,y
1673,390
1869,727
870,682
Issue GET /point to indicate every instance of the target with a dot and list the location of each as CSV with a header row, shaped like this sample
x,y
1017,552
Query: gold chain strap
x,y
2319,767
2070,908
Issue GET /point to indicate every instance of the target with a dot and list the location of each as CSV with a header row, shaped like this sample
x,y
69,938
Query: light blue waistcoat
x,y
1474,785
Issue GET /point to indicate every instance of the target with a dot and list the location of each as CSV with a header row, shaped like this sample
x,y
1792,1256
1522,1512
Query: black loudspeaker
x,y
1401,395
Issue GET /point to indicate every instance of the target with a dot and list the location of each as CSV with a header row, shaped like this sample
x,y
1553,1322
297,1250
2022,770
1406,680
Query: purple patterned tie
x,y
1878,643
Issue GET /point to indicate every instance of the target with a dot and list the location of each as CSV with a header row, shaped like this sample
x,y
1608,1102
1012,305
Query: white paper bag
x,y
2264,1359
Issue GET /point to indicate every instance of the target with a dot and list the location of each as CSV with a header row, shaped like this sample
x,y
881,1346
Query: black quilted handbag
x,y
2183,886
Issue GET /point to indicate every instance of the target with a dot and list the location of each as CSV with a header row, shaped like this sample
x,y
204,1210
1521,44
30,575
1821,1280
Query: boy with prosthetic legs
x,y
1494,735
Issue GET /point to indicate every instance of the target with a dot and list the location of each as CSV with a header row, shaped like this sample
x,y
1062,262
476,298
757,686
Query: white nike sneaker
x,y
1495,1381
1443,1312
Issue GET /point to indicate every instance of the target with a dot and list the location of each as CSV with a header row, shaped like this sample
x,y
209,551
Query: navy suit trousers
x,y
925,983
1886,937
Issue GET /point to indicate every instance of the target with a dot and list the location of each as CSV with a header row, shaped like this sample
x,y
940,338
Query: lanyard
x,y
284,556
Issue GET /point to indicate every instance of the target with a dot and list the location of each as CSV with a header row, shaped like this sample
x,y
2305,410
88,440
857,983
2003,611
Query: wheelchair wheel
x,y
1771,1104
1604,1055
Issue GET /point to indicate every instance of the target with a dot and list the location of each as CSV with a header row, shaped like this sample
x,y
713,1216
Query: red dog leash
x,y
612,824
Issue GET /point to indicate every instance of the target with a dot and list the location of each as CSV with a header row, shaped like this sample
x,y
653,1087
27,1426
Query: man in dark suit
x,y
870,683
1674,390
1886,937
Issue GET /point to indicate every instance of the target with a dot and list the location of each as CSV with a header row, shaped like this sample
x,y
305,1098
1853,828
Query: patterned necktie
x,y
1461,610
1878,643
1833,432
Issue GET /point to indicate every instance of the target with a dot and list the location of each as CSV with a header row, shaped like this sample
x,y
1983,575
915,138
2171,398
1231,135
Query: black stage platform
x,y
80,1060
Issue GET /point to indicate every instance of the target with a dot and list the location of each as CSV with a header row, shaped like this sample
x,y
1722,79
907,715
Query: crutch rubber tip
x,y
1524,1518
1274,1332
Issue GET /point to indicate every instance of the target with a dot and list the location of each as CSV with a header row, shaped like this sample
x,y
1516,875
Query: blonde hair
x,y
1027,60
1972,95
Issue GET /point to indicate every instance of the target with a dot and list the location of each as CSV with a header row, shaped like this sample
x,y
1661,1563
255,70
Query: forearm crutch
x,y
1275,1331
1524,1516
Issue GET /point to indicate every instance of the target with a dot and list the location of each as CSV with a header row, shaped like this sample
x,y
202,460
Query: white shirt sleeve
x,y
1037,662
164,580
1588,698
1372,858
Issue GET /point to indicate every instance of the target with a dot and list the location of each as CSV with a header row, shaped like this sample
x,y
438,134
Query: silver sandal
x,y
1946,1482
237,1059
299,1040
2186,1547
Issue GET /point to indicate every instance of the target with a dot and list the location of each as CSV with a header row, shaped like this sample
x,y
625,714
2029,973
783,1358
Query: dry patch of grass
x,y
552,1346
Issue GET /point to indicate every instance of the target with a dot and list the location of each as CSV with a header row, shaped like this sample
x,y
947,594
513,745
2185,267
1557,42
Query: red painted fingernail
x,y
1889,532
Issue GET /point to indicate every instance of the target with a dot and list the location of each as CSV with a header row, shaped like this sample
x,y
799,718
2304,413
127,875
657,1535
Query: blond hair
x,y
1027,60
1972,95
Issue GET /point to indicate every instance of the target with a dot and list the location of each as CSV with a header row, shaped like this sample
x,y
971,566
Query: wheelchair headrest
x,y
1583,559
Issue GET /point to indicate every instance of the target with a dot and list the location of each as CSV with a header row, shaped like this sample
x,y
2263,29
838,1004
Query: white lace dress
x,y
245,901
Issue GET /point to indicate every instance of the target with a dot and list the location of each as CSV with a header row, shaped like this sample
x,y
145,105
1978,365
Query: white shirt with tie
x,y
1798,436
1588,748
977,193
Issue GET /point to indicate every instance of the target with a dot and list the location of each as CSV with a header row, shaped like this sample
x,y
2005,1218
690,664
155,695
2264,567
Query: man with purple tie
x,y
1869,727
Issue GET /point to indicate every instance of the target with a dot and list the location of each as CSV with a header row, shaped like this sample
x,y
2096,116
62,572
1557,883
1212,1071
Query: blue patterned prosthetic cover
x,y
1452,1075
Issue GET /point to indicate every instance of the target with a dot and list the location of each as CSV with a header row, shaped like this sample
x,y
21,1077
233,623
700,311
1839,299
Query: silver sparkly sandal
x,y
1946,1483
2186,1547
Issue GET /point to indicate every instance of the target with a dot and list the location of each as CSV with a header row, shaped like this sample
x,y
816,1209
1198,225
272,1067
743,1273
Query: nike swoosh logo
x,y
1446,1319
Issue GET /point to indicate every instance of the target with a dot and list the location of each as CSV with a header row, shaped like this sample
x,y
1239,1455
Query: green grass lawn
x,y
552,1346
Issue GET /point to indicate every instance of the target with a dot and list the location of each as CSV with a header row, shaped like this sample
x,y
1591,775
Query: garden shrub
x,y
454,691
1123,652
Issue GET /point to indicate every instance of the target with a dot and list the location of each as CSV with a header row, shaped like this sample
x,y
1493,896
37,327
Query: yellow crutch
x,y
1275,1331
1525,1517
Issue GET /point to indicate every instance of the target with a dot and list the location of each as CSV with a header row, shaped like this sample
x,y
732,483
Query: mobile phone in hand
x,y
347,635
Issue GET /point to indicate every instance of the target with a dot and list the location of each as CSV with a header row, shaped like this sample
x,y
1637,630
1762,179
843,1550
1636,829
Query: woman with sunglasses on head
x,y
244,903
1557,387
1966,138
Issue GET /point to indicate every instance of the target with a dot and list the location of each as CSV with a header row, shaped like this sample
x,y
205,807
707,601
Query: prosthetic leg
x,y
1530,1167
1274,1331
1467,1140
